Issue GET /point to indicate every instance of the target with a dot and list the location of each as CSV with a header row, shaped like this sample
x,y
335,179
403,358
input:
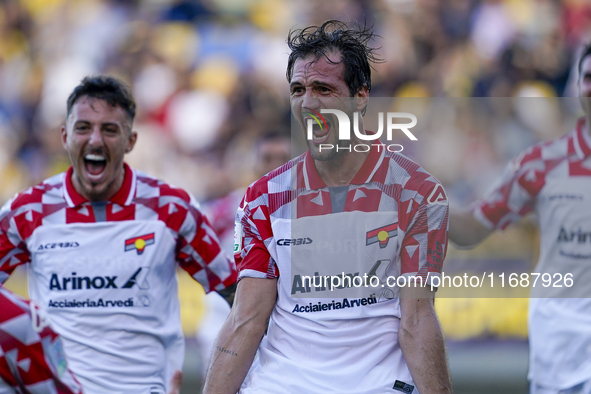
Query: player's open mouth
x,y
320,134
95,164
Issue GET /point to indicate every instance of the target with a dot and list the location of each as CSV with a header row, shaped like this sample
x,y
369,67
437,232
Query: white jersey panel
x,y
560,328
110,290
308,338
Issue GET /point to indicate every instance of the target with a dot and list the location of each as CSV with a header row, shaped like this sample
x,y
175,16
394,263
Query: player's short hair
x,y
584,53
104,87
333,35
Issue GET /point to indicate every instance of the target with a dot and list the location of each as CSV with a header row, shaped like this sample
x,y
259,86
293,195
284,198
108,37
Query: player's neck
x,y
342,170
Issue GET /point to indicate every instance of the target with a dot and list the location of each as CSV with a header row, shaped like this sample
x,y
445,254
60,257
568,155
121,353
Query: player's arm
x,y
421,341
425,223
13,250
511,197
228,293
198,249
175,383
465,231
240,335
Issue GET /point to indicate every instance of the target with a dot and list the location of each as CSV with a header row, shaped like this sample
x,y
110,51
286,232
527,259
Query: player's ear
x,y
131,141
361,98
64,133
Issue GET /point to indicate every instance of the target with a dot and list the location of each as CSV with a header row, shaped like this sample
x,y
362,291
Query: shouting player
x,y
554,180
328,211
103,242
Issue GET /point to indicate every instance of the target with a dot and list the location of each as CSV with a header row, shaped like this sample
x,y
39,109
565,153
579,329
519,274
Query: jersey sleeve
x,y
198,249
515,192
13,250
253,234
425,222
32,357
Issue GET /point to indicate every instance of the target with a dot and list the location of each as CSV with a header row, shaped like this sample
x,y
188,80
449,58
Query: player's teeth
x,y
94,157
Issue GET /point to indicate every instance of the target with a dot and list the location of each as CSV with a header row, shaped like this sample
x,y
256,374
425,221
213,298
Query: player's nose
x,y
310,101
96,137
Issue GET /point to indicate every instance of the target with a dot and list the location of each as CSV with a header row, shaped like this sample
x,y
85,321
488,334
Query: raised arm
x,y
421,341
13,248
511,197
239,338
464,230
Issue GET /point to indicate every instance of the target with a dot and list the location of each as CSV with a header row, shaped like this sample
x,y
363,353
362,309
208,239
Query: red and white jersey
x,y
553,179
221,213
392,220
32,358
106,274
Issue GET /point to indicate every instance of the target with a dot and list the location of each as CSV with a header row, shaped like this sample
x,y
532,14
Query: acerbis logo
x,y
74,282
437,196
58,245
296,241
345,129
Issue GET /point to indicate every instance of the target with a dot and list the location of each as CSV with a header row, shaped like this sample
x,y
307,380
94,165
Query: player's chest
x,y
100,256
566,198
350,243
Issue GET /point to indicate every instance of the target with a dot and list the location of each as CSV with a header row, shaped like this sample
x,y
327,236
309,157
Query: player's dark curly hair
x,y
584,53
336,36
112,90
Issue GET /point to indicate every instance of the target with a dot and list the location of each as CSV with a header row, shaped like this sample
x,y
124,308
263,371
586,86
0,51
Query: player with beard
x,y
334,211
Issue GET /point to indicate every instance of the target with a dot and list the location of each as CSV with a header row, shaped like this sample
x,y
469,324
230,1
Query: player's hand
x,y
175,383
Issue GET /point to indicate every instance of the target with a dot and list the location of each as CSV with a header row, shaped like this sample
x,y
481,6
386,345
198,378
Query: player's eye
x,y
297,90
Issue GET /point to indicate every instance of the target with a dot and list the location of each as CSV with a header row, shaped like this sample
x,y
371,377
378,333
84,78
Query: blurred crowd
x,y
209,79
209,75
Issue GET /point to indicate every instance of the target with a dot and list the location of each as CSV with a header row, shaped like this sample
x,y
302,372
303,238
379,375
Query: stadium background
x,y
209,79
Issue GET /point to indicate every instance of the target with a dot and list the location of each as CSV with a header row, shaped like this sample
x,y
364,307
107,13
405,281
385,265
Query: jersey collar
x,y
584,138
123,197
371,164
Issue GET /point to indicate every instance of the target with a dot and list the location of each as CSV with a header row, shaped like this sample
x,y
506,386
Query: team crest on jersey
x,y
381,235
139,243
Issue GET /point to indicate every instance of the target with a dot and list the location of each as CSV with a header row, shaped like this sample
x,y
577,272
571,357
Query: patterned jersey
x,y
391,220
553,179
32,359
106,274
221,213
